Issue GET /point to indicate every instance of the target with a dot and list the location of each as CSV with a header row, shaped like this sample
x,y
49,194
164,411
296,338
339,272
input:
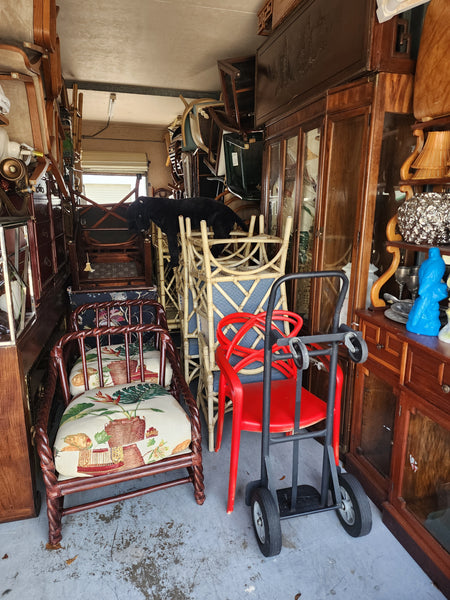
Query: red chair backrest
x,y
251,328
244,323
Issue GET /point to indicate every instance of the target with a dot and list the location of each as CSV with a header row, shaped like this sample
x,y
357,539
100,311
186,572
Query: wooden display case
x,y
328,165
399,447
17,312
319,170
400,442
17,304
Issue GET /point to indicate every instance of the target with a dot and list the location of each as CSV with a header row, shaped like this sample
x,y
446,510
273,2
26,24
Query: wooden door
x,y
339,208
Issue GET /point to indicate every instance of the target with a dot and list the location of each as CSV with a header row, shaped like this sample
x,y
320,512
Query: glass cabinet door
x,y
17,305
289,182
347,141
308,199
288,202
425,485
398,140
377,422
274,191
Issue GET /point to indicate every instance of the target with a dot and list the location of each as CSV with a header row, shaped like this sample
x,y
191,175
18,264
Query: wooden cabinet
x,y
17,315
371,442
18,499
325,165
22,375
322,44
400,442
329,165
33,259
418,507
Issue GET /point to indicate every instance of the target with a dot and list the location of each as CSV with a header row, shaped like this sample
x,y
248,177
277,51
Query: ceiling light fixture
x,y
112,100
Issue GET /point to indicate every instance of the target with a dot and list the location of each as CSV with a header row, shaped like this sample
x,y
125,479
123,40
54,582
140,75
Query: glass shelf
x,y
418,247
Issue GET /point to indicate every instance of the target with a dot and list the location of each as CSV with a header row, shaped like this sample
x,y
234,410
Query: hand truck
x,y
339,491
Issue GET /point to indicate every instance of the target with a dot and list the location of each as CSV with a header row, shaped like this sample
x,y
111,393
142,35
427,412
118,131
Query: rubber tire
x,y
361,351
266,521
355,515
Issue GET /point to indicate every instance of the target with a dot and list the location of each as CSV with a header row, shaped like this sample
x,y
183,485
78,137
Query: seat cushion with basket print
x,y
114,364
119,428
117,434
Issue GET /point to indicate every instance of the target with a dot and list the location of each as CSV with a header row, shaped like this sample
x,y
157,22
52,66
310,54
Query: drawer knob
x,y
381,346
445,388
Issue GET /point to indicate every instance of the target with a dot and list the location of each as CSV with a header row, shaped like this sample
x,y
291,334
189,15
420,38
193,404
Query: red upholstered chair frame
x,y
57,390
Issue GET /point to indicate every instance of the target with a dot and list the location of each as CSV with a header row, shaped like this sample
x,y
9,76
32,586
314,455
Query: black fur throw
x,y
164,212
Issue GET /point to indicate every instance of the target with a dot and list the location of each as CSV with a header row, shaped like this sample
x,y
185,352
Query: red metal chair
x,y
241,382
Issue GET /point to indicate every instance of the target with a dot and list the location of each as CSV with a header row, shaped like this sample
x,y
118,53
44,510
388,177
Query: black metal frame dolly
x,y
339,491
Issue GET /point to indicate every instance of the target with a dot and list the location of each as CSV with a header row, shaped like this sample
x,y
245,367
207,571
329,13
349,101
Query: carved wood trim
x,y
391,235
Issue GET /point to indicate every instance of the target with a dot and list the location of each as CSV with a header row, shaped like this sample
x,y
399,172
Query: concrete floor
x,y
164,546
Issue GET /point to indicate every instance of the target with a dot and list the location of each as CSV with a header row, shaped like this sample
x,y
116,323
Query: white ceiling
x,y
158,47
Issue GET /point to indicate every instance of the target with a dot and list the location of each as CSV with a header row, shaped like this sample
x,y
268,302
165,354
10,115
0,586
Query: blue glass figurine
x,y
424,316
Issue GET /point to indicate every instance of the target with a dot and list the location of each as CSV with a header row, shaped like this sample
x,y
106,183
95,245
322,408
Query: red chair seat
x,y
282,407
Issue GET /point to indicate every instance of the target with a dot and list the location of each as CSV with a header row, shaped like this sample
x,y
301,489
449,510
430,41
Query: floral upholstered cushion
x,y
114,367
119,428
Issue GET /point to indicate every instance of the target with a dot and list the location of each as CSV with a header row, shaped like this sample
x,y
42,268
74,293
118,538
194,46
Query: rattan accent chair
x,y
87,453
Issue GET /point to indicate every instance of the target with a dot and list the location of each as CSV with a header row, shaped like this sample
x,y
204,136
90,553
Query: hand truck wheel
x,y
300,353
357,347
355,514
266,521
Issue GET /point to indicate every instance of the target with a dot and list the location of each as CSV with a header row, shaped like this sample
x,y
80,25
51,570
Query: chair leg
x,y
196,472
234,461
54,513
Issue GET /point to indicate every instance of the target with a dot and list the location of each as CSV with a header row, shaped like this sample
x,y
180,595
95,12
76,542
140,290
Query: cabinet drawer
x,y
428,375
384,347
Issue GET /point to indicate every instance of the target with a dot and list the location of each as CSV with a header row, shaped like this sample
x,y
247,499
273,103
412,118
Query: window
x,y
110,189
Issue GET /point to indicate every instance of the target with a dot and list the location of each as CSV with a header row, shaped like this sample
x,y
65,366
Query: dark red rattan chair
x,y
118,312
57,392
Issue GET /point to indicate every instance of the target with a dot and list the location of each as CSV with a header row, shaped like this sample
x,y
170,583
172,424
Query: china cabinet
x,y
33,270
400,441
17,313
319,169
328,164
336,108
